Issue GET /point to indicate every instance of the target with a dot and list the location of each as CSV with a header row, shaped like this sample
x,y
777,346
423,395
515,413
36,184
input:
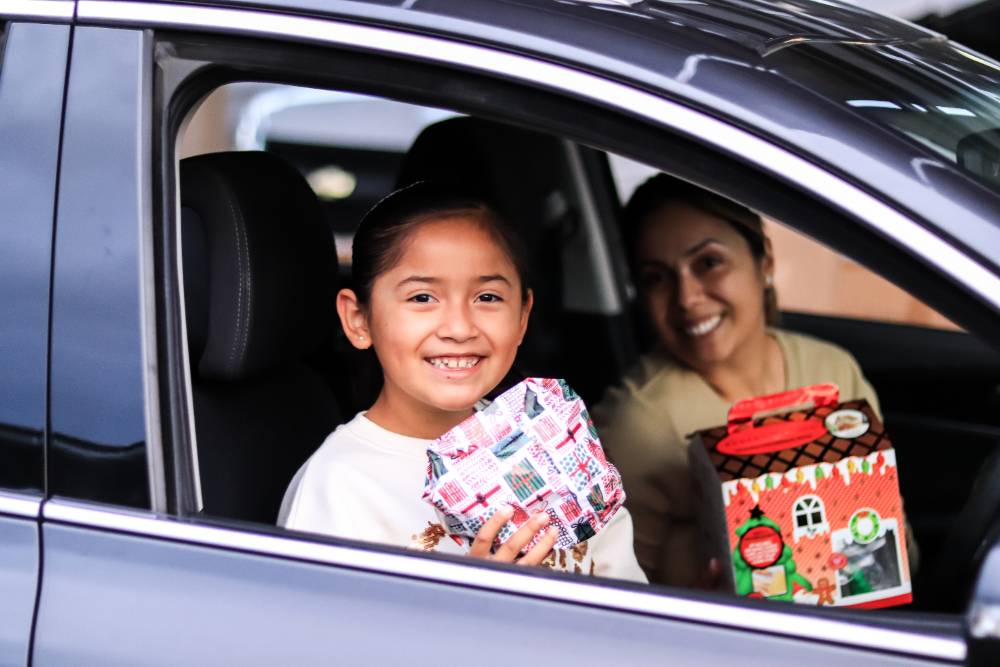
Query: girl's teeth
x,y
455,363
705,327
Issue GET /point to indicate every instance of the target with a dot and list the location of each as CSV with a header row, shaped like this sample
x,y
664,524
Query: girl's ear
x,y
353,319
529,301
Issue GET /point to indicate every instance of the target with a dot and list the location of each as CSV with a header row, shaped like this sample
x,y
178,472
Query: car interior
x,y
271,374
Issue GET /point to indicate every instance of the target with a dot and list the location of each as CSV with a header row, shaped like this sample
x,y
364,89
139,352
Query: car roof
x,y
744,23
736,59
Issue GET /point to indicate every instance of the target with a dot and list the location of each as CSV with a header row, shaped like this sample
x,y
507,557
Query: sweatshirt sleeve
x,y
310,507
613,555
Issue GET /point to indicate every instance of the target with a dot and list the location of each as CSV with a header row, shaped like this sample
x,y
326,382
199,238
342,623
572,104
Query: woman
x,y
705,274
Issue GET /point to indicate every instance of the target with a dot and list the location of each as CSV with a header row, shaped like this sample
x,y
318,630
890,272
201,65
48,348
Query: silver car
x,y
140,481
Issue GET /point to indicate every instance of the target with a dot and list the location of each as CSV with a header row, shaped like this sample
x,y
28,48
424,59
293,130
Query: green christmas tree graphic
x,y
743,570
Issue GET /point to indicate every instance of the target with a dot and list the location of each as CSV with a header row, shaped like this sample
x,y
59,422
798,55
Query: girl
x,y
439,292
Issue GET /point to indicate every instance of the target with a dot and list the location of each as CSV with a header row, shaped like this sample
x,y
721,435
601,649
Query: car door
x,y
134,575
32,73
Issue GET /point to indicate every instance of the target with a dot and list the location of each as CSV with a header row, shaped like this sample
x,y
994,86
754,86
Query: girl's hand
x,y
509,551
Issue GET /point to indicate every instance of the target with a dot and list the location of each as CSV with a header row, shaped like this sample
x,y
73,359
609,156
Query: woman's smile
x,y
703,326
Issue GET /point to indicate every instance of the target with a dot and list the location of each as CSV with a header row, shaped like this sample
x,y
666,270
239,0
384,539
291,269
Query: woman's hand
x,y
509,551
711,577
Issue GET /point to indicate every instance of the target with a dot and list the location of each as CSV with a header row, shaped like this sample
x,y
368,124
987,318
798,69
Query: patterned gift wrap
x,y
534,448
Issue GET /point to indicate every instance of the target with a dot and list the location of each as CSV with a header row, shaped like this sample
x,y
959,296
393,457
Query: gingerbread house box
x,y
800,501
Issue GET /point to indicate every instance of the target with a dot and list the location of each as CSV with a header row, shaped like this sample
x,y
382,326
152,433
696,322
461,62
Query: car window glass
x,y
31,74
812,278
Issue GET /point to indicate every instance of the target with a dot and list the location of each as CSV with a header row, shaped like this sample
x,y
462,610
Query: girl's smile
x,y
454,363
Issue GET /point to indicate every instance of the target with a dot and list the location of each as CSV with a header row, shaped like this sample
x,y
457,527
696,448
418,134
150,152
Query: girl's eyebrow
x,y
430,280
493,277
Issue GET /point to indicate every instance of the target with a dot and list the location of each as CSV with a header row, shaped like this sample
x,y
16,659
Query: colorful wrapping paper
x,y
534,448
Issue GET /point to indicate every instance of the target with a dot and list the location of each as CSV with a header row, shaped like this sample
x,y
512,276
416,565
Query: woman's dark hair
x,y
382,235
658,191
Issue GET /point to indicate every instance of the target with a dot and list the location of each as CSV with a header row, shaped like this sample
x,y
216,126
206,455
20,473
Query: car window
x,y
352,150
32,66
811,277
243,482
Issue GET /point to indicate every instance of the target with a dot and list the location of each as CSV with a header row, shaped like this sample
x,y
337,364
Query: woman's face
x,y
447,319
700,284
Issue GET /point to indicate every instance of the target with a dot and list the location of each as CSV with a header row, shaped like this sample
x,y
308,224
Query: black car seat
x,y
260,276
523,174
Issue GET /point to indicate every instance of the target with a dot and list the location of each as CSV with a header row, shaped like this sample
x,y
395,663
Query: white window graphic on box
x,y
809,517
874,567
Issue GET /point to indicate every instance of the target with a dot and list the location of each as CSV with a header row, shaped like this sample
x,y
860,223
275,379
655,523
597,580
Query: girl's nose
x,y
458,323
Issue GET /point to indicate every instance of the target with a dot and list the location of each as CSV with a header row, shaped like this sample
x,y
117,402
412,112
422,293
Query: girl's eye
x,y
489,298
421,298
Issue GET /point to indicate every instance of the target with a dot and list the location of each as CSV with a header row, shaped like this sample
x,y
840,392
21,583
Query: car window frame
x,y
192,19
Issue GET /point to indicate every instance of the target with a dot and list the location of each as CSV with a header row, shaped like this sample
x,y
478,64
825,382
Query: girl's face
x,y
701,285
447,319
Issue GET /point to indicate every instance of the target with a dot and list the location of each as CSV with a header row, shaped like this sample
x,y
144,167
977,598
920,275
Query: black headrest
x,y
523,173
517,170
260,267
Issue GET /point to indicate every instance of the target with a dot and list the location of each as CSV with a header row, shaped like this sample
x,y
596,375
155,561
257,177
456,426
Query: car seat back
x,y
260,274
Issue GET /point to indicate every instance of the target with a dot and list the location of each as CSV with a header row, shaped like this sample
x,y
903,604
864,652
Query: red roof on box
x,y
825,448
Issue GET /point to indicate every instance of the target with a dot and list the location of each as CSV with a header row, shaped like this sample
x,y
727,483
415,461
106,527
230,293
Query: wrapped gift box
x,y
799,500
533,448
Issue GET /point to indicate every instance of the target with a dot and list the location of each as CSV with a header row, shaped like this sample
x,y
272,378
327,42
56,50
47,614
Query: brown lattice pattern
x,y
826,448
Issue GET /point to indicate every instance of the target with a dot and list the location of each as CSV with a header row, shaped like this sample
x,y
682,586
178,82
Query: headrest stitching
x,y
250,296
237,237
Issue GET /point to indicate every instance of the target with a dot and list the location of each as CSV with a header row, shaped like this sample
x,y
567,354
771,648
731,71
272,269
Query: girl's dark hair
x,y
382,235
661,189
